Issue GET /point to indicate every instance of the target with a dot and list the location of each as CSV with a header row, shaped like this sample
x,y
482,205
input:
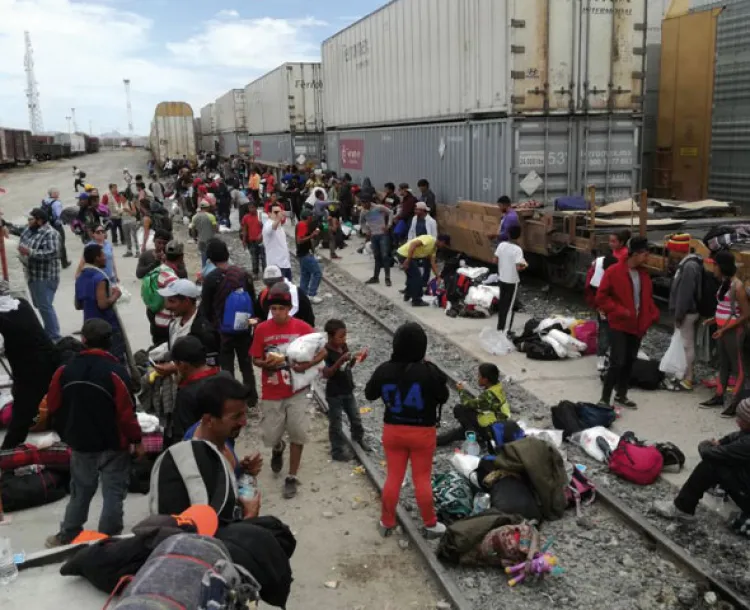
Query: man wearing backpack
x,y
228,302
155,275
684,300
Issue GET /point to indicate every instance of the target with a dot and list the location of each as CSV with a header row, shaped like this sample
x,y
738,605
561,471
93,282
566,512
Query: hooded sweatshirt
x,y
686,287
412,389
491,405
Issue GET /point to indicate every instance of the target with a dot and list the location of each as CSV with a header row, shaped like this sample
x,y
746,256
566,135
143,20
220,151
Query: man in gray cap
x,y
725,463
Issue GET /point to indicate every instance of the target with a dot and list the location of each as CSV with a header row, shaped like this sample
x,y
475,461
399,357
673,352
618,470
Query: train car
x,y
92,144
76,142
15,147
173,132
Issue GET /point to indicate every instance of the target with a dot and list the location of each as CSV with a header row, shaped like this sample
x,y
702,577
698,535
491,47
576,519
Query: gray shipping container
x,y
536,159
233,143
285,148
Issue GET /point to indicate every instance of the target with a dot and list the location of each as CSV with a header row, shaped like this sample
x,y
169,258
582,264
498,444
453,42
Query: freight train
x,y
15,147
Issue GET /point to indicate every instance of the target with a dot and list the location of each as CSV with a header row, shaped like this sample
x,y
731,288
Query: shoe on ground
x,y
52,542
388,282
335,257
291,483
128,255
601,363
714,401
360,250
373,280
624,401
683,385
342,456
668,510
316,300
385,531
364,445
277,458
419,303
729,413
435,532
402,290
407,298
603,404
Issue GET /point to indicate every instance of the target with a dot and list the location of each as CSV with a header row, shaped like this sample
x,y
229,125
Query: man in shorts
x,y
283,409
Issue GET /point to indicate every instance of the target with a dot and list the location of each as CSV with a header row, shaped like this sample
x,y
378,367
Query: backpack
x,y
82,175
580,491
565,418
591,415
635,462
646,375
508,545
153,301
707,290
238,309
672,455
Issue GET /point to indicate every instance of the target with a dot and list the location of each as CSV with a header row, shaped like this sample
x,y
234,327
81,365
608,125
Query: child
x,y
252,237
340,391
510,260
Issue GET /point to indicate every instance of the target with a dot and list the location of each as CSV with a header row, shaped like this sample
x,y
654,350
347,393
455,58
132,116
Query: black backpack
x,y
707,294
673,456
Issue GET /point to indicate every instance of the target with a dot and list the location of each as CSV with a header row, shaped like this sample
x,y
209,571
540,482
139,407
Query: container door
x,y
529,35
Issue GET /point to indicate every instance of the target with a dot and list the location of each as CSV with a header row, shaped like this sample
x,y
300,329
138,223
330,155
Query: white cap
x,y
421,205
272,272
180,287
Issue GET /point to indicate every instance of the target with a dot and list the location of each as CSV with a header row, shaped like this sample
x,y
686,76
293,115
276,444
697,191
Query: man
x,y
428,197
32,358
301,306
218,285
156,187
684,297
408,203
129,225
411,255
114,202
253,185
155,274
53,207
203,227
90,406
78,177
422,224
149,258
390,198
174,258
625,297
725,463
508,219
346,198
310,273
274,241
39,248
374,221
284,408
251,233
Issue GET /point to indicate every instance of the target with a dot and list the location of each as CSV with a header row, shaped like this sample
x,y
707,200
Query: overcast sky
x,y
171,50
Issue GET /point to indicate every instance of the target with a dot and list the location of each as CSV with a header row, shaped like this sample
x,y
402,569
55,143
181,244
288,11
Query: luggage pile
x,y
557,338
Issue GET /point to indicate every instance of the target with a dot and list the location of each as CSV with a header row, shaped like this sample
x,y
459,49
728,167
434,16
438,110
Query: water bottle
x,y
482,502
471,446
247,487
8,569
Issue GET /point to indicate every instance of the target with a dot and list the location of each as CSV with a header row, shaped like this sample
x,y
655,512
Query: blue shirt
x,y
229,445
510,219
86,285
109,268
421,227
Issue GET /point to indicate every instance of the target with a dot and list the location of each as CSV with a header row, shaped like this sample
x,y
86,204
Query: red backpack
x,y
635,462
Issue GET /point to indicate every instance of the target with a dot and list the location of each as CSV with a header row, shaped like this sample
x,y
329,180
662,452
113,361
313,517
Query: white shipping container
x,y
230,112
287,99
208,118
172,132
76,141
420,60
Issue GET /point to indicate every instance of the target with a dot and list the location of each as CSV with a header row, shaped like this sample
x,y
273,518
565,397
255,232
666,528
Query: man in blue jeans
x,y
374,221
90,404
310,273
412,254
39,248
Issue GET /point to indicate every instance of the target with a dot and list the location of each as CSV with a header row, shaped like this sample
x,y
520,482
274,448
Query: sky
x,y
171,50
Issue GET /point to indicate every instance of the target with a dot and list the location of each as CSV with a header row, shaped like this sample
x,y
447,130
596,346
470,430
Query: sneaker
x,y
360,250
624,401
683,386
603,404
342,456
601,363
668,510
290,487
364,445
407,298
66,264
730,412
385,531
372,280
52,542
715,401
402,290
388,282
277,458
316,300
128,254
419,303
436,531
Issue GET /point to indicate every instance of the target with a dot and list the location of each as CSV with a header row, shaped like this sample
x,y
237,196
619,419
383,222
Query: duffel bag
x,y
565,418
32,489
56,457
635,462
591,415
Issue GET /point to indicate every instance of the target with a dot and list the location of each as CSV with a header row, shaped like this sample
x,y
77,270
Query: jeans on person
x,y
159,334
310,274
258,254
337,406
426,266
239,345
622,354
708,474
286,272
404,444
602,336
27,395
381,251
115,225
113,467
60,228
130,230
414,285
43,296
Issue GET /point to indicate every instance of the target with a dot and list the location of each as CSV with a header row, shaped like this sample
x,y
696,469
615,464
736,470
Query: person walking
x,y
90,404
412,390
204,227
39,248
684,297
274,241
78,176
251,233
310,273
130,215
114,202
374,221
625,295
53,207
510,261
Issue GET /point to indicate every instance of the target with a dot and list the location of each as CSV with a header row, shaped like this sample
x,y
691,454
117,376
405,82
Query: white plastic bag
x,y
495,342
587,441
674,362
482,296
303,380
474,273
304,349
125,296
150,242
569,342
464,464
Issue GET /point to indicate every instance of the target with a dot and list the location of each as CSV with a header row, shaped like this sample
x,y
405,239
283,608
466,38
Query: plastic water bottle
x,y
471,446
247,487
8,569
482,502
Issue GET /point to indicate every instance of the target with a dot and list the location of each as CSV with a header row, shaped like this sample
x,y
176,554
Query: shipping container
x,y
172,135
208,119
540,158
414,61
233,143
209,143
287,99
288,149
230,112
75,141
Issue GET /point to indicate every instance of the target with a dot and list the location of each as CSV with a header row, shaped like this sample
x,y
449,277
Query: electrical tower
x,y
32,93
73,116
126,82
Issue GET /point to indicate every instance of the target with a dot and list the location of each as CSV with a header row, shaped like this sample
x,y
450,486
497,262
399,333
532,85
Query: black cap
x,y
190,350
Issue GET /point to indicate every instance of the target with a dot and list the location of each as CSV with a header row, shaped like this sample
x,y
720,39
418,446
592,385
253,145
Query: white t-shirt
x,y
508,256
277,250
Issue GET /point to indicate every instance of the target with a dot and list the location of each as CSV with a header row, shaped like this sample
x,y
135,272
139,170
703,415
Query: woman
x,y
100,238
732,314
412,391
618,243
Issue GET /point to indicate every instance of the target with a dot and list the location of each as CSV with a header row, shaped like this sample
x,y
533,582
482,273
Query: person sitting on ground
x,y
340,391
725,463
412,390
301,307
90,406
411,254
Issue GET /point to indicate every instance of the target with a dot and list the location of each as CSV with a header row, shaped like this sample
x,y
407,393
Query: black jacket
x,y
31,354
732,458
187,410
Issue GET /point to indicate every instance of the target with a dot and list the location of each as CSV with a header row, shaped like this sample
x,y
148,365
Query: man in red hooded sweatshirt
x,y
625,296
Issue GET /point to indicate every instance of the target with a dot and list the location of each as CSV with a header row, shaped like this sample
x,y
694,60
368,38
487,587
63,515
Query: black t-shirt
x,y
342,381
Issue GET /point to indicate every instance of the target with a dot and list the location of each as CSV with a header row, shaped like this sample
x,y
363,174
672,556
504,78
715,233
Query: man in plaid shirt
x,y
39,249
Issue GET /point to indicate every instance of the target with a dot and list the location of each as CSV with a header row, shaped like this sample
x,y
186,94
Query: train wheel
x,y
563,269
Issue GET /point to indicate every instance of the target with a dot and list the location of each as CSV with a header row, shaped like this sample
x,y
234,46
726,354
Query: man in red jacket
x,y
625,296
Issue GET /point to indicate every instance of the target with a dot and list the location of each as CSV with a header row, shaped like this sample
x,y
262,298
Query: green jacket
x,y
492,402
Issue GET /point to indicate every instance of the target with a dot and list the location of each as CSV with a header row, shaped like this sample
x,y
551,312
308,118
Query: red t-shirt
x,y
272,337
253,226
270,183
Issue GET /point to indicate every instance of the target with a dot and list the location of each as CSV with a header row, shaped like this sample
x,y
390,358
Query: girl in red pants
x,y
412,390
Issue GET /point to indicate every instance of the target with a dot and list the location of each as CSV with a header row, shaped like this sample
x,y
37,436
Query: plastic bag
x,y
303,380
474,273
150,242
567,341
587,441
674,362
304,349
465,464
557,346
482,296
125,296
495,342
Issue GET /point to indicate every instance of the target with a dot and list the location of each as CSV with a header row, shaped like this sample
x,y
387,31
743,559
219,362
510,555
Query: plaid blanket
x,y
56,457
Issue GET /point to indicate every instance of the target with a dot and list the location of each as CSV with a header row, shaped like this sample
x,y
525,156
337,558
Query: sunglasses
x,y
100,231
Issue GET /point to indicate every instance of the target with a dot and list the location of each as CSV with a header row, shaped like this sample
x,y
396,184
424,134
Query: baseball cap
x,y
272,272
198,519
421,205
181,287
280,295
82,195
204,204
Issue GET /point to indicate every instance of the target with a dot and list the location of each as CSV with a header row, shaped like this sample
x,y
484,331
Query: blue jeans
x,y
381,251
337,406
42,296
414,283
85,470
310,275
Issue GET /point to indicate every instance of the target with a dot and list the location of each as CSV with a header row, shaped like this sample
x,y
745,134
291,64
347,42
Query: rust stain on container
x,y
174,109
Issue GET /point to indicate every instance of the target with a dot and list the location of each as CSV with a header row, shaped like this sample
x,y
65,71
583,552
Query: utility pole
x,y
73,116
126,82
32,93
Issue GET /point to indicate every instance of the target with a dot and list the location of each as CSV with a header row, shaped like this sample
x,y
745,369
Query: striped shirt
x,y
166,276
43,261
727,309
